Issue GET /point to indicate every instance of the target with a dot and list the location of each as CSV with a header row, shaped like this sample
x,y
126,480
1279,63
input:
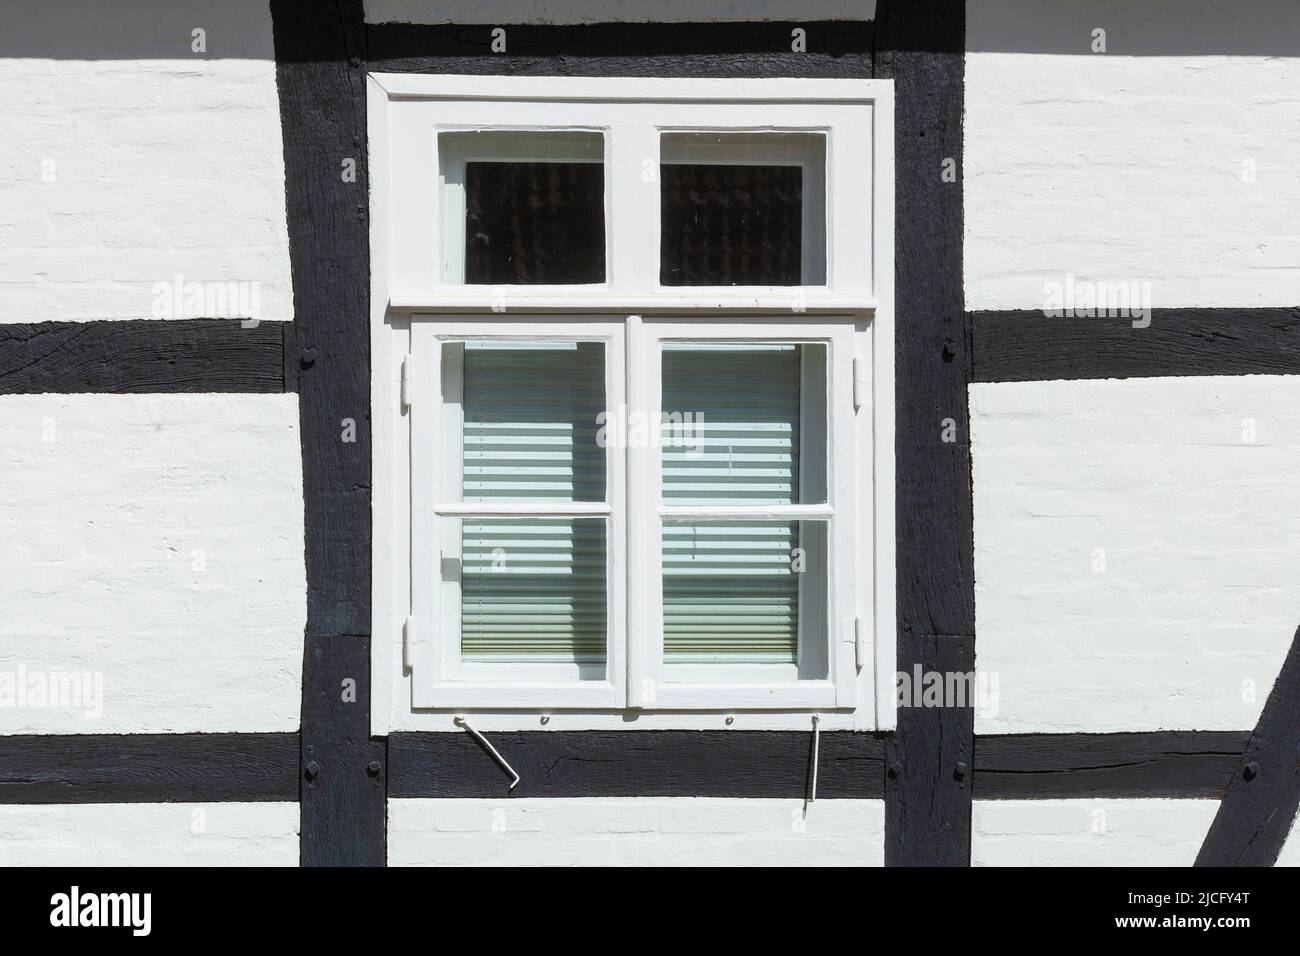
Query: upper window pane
x,y
523,208
742,209
744,424
531,416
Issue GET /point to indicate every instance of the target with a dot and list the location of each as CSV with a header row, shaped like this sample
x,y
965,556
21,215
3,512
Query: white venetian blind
x,y
533,588
732,437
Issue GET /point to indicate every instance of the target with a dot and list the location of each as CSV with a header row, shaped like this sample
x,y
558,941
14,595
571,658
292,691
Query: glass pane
x,y
523,208
745,592
532,413
742,209
532,589
744,424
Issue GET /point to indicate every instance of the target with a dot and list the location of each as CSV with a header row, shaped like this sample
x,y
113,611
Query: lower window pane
x,y
746,592
533,589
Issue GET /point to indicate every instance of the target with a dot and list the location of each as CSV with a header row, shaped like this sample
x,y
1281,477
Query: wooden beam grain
x,y
834,49
636,763
144,355
1027,346
148,768
321,81
1156,764
920,46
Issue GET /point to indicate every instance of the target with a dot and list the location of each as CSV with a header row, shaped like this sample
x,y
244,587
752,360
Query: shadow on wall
x,y
241,29
1148,28
135,29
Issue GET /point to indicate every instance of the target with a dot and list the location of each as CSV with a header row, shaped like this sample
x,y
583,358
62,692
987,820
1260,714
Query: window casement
x,y
632,395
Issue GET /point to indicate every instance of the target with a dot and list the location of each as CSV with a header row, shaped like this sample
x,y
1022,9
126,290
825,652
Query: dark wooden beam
x,y
834,49
776,764
345,770
321,80
148,768
161,768
1259,808
1155,764
1028,346
637,763
144,355
920,46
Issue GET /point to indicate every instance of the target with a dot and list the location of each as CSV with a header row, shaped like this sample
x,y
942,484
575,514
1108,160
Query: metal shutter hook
x,y
816,732
462,722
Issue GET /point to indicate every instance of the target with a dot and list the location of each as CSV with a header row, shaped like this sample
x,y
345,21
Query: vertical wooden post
x,y
920,46
320,75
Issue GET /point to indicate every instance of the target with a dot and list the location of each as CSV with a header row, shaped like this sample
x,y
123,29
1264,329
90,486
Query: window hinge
x,y
860,642
406,381
859,384
407,626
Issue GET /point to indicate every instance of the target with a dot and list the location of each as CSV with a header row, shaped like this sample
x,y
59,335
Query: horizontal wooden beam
x,y
1157,764
663,763
1028,346
654,763
149,768
145,355
161,768
839,48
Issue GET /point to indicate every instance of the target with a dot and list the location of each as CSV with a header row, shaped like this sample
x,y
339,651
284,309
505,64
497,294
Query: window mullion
x,y
644,633
633,200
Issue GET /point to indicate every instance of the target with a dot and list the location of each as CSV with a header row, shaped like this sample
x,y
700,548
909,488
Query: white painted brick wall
x,y
1128,165
642,831
127,160
1089,832
1199,528
108,501
149,834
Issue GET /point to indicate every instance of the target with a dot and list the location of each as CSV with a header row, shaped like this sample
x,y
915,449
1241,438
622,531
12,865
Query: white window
x,y
632,396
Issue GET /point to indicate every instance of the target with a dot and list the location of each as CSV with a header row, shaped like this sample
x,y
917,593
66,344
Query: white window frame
x,y
440,678
632,115
406,111
648,674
